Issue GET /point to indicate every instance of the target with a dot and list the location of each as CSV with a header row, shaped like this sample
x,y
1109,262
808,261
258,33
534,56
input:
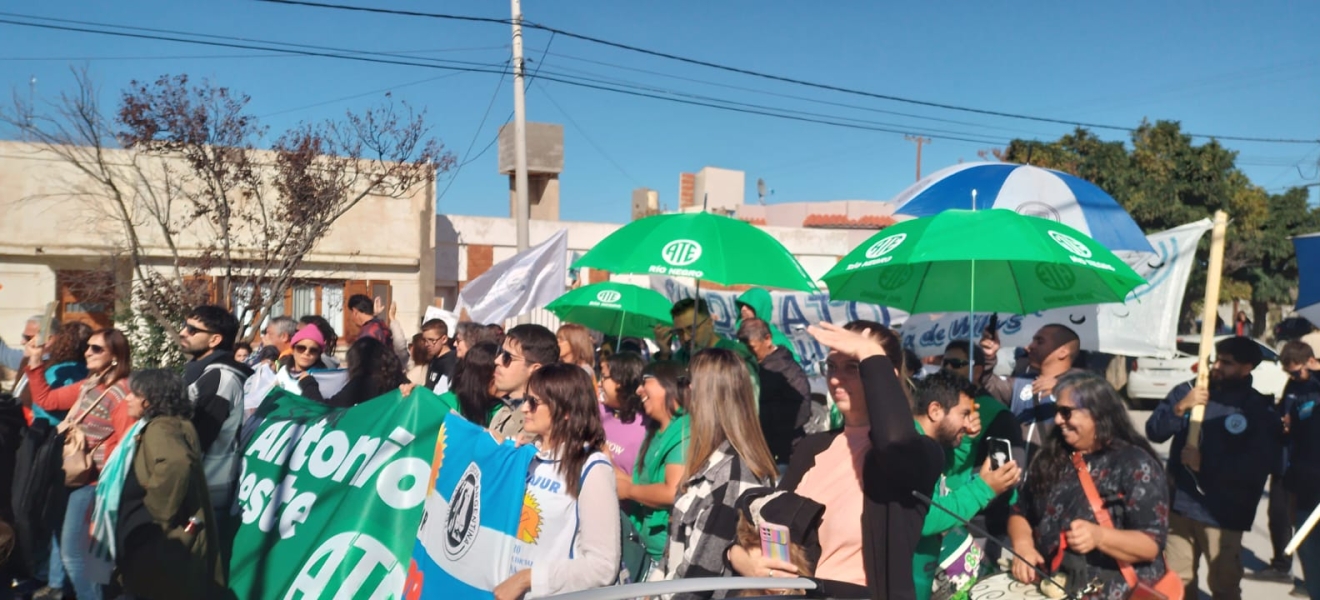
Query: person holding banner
x,y
558,550
373,370
1218,486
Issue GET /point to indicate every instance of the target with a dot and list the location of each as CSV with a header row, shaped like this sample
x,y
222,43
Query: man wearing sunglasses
x,y
526,349
11,357
215,387
1217,487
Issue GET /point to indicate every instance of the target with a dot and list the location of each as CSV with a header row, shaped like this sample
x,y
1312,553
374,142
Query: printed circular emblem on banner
x,y
464,520
1235,424
681,253
1071,244
609,296
885,246
1056,277
1039,209
1026,393
894,277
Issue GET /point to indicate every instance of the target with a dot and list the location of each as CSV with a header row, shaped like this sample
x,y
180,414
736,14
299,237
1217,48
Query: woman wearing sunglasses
x,y
649,493
373,371
567,545
1054,510
97,420
307,349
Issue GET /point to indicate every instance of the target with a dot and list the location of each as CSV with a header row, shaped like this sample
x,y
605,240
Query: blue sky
x,y
1243,69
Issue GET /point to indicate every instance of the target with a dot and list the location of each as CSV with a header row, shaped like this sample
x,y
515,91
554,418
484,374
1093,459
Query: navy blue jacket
x,y
1237,456
1303,473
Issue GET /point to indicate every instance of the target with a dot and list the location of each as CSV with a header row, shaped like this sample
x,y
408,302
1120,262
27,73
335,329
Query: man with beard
x,y
1217,486
215,387
944,408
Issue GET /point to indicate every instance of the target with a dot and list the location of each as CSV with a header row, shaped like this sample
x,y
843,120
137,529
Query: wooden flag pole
x,y
1208,320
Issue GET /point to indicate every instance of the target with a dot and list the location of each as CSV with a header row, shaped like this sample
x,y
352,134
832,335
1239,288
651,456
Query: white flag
x,y
527,280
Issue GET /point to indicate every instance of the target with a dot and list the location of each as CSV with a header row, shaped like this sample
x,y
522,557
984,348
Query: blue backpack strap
x,y
577,507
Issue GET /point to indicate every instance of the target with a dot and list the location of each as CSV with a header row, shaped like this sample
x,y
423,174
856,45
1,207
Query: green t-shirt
x,y
668,447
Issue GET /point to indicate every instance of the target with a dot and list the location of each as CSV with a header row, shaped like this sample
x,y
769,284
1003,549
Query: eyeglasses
x,y
95,349
1066,411
304,349
507,358
852,368
956,363
190,329
430,341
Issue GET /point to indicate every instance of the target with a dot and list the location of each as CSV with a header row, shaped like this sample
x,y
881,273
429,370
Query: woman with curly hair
x,y
153,506
1054,517
373,371
570,477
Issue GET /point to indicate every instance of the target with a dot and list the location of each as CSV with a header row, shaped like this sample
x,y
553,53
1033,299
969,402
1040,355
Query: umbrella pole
x,y
971,318
692,337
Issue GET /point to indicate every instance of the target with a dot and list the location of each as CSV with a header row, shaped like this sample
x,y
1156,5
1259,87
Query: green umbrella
x,y
702,246
614,308
983,261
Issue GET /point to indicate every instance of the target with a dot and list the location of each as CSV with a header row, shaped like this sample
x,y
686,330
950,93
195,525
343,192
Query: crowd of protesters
x,y
677,447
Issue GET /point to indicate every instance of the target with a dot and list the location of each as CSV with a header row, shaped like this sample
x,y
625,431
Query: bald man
x,y
1052,352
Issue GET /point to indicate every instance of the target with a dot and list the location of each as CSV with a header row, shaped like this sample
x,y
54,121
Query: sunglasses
x,y
303,349
533,403
955,363
507,358
95,349
189,329
27,338
1066,411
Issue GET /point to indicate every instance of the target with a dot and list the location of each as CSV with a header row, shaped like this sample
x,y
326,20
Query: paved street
x,y
1256,543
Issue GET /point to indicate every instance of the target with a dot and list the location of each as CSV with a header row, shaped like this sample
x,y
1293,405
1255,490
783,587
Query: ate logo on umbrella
x,y
885,246
609,297
681,253
1071,244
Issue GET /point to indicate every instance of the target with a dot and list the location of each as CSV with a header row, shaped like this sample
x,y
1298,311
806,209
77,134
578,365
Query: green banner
x,y
330,499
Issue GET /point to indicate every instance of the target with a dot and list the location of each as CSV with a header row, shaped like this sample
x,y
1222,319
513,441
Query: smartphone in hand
x,y
774,541
1000,452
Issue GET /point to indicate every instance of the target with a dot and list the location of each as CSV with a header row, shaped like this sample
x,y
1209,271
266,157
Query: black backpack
x,y
38,495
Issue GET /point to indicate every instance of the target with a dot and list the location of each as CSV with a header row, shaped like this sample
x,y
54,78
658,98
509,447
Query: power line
x,y
215,56
467,158
616,88
790,96
306,49
361,95
587,137
771,76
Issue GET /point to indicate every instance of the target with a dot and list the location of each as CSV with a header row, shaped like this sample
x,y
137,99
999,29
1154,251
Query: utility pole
x,y
519,130
920,141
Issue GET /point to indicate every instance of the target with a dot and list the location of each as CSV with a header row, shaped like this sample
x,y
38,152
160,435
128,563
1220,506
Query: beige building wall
x,y
46,228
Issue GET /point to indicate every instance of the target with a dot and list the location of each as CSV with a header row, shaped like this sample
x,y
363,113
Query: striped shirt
x,y
704,521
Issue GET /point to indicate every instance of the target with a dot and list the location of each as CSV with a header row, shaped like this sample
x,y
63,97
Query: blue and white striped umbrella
x,y
1030,191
